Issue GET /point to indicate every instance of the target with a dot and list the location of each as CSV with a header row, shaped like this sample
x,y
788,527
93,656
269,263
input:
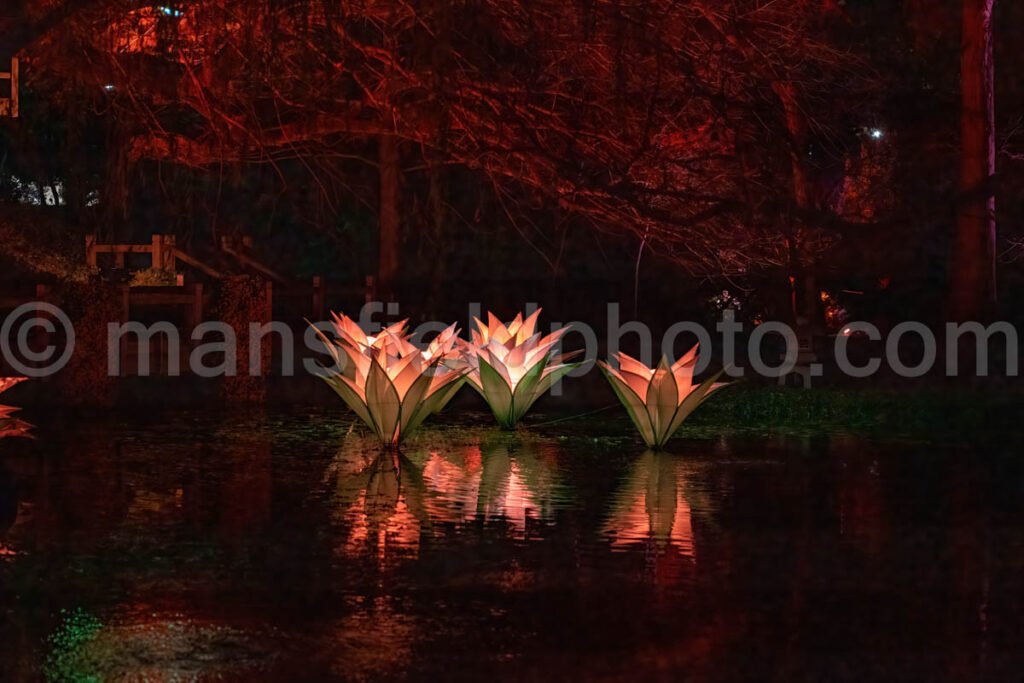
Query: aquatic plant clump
x,y
388,382
512,365
659,400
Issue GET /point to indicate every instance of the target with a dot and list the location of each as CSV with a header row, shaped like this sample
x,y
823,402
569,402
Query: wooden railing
x,y
186,306
163,251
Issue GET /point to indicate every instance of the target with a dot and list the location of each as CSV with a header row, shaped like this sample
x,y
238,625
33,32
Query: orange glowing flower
x,y
8,382
659,400
513,365
389,383
10,425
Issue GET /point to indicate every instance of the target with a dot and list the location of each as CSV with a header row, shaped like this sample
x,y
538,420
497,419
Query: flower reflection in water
x,y
652,507
389,500
381,502
508,480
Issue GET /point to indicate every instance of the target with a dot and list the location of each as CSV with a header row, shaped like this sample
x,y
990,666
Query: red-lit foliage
x,y
688,124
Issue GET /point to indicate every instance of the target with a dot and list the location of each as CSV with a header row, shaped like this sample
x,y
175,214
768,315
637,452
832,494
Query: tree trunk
x,y
972,284
441,245
804,290
389,237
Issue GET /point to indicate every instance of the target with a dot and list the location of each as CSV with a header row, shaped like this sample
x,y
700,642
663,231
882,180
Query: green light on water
x,y
64,661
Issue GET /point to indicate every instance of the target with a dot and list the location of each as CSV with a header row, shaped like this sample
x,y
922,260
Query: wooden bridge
x,y
186,305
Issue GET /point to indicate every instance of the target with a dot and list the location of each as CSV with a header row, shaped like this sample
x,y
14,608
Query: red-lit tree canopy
x,y
685,123
731,137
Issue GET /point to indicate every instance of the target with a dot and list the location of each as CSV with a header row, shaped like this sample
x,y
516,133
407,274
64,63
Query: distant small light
x,y
170,11
877,134
846,332
108,87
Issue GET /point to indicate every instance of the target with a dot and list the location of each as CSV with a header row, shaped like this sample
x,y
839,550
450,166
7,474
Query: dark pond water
x,y
280,547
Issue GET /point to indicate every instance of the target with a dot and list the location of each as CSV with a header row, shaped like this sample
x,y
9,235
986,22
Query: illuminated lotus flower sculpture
x,y
388,382
8,382
10,425
512,366
659,400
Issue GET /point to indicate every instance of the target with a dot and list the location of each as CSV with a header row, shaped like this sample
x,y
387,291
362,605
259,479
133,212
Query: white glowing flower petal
x,y
403,374
634,366
682,370
526,330
638,383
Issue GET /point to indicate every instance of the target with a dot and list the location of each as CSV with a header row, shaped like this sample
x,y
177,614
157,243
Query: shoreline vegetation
x,y
735,411
893,410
